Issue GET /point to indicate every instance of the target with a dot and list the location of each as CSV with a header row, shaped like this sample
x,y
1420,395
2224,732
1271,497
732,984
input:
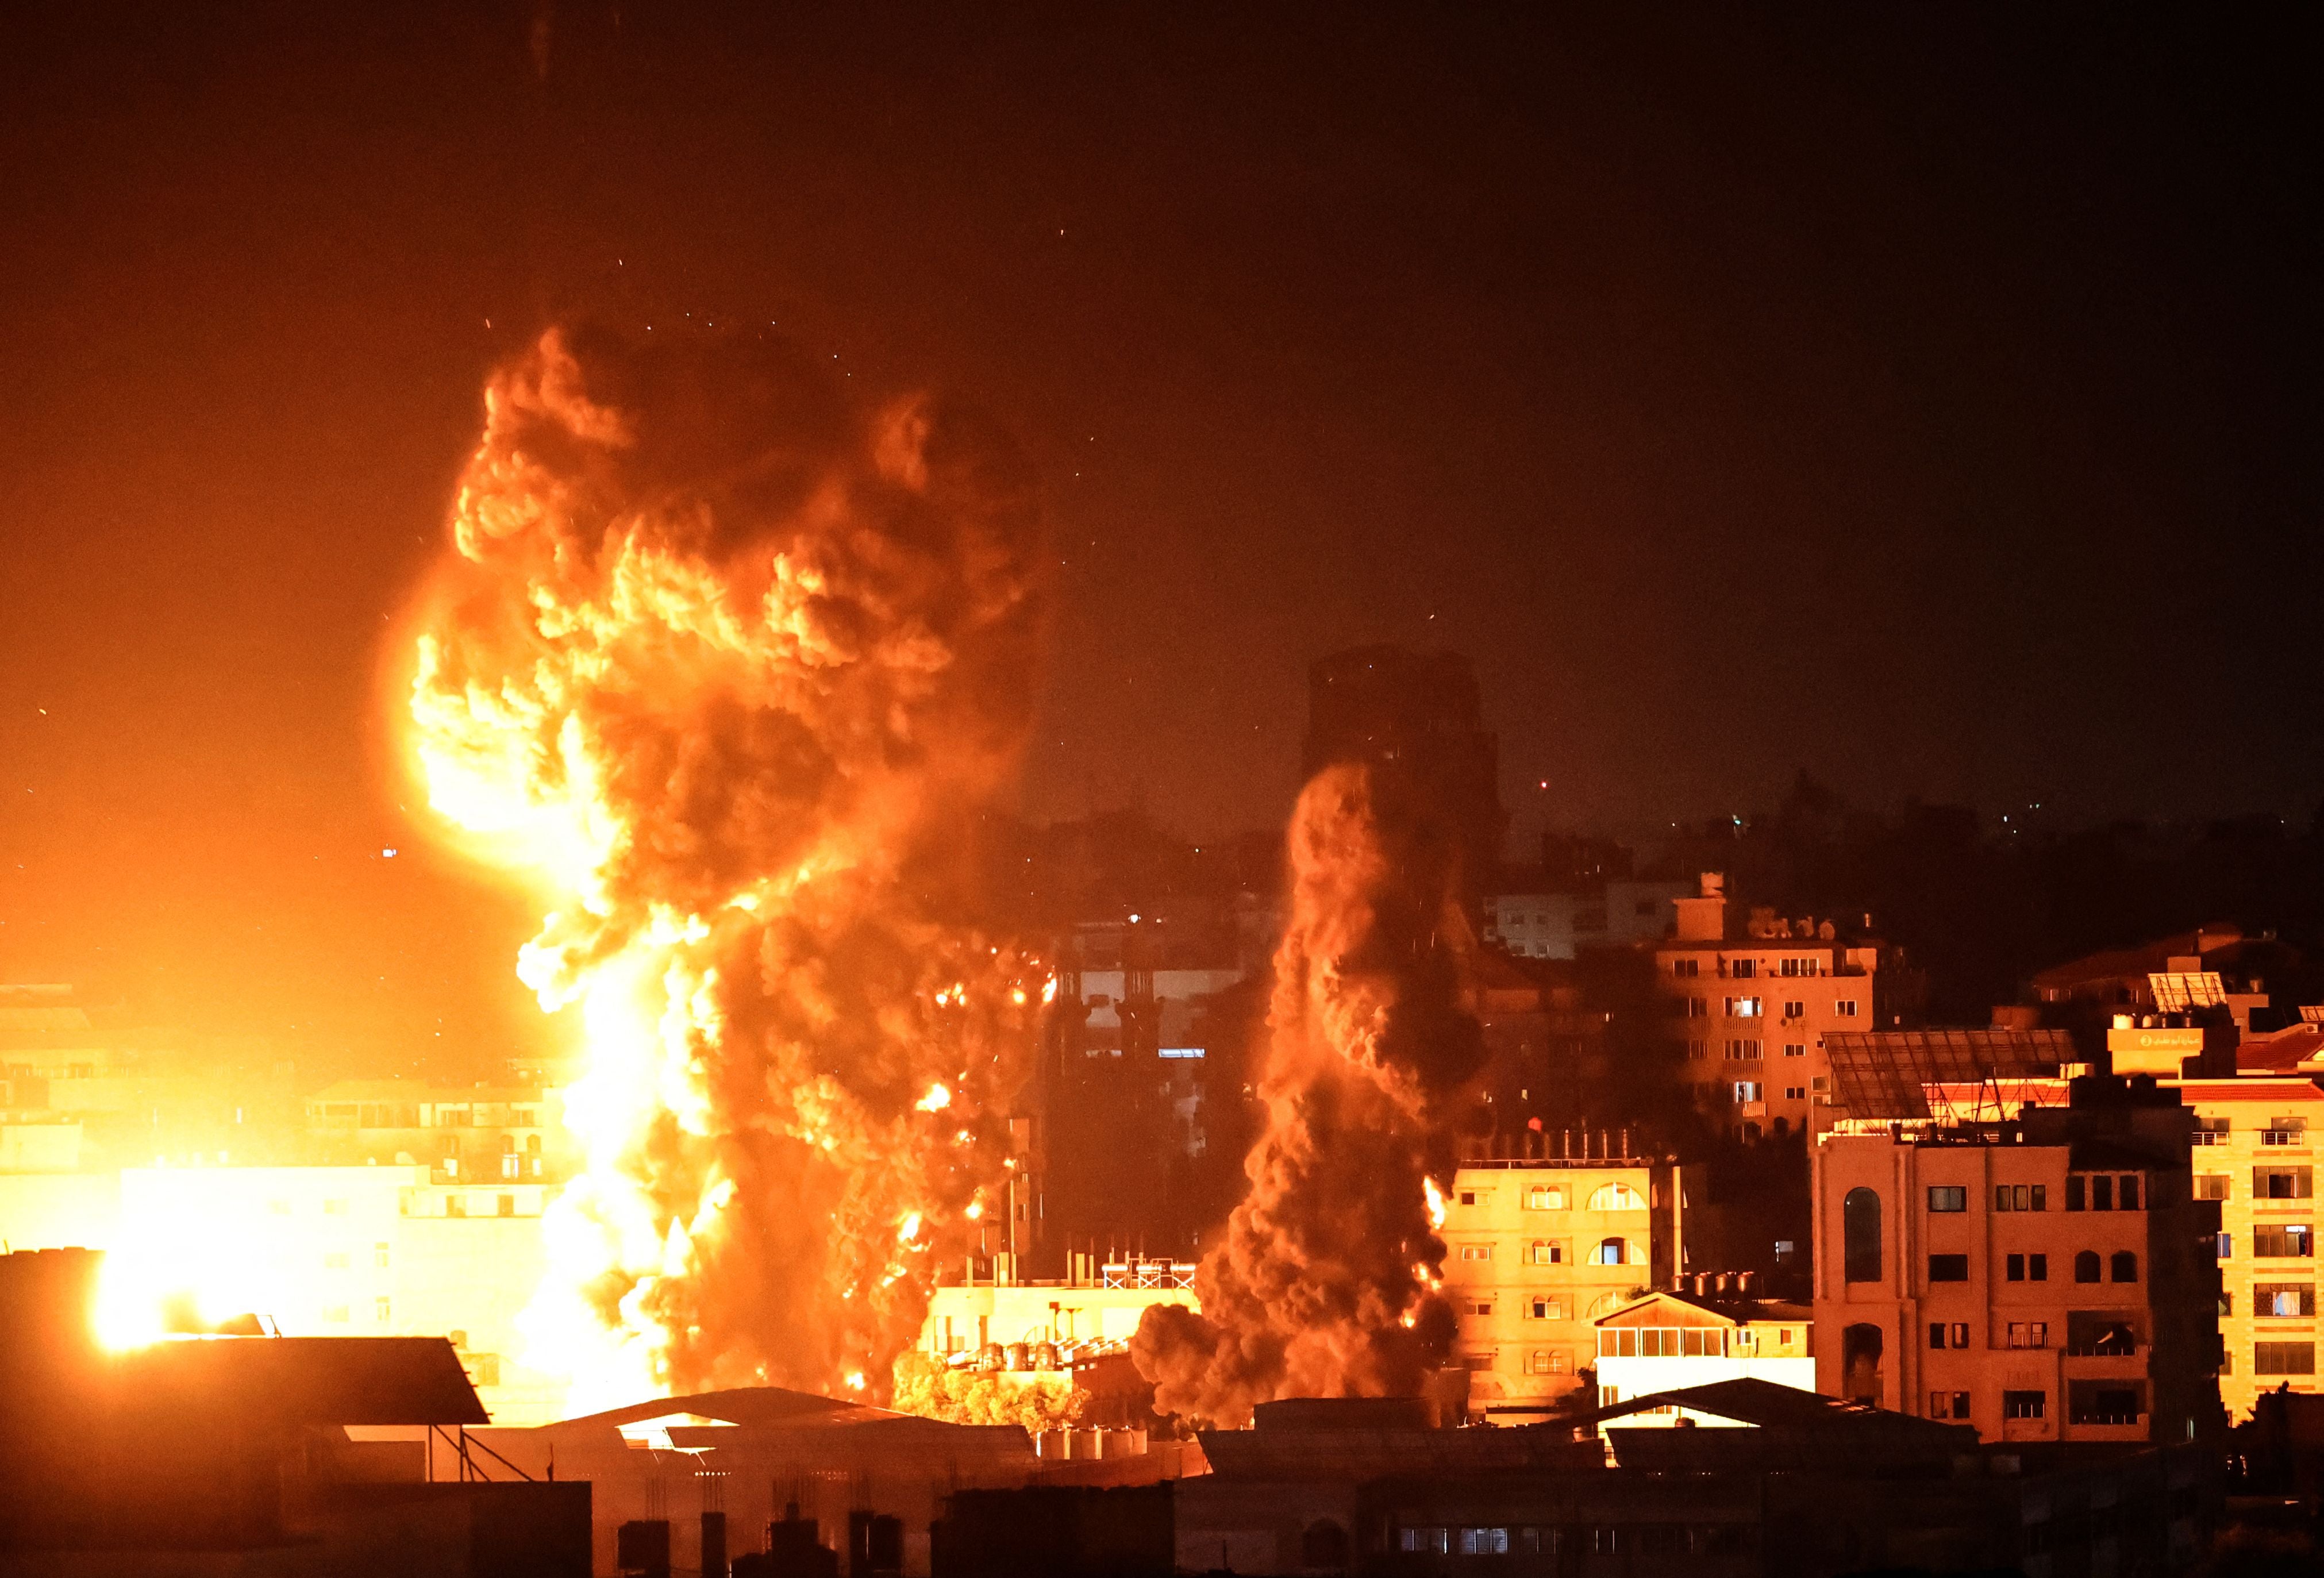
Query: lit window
x,y
1475,1251
1616,1197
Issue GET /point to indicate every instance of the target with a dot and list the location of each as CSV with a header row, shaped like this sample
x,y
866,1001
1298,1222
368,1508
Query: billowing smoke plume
x,y
716,655
1327,1283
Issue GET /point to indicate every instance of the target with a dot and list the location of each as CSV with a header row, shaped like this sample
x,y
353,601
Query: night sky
x,y
1927,398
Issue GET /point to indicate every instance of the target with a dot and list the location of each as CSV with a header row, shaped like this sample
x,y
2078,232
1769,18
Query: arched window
x,y
1607,1305
1860,1358
1611,1251
2085,1266
2125,1267
533,1144
1616,1197
1324,1545
1859,1220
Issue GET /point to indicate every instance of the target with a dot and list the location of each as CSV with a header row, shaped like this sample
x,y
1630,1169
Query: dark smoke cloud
x,y
1325,1284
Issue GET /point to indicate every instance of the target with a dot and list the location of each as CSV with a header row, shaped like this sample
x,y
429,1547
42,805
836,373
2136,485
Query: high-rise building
x,y
1417,717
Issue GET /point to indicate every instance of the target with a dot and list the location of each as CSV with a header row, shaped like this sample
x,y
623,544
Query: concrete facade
x,y
1537,1249
2255,1156
1749,1002
2044,1280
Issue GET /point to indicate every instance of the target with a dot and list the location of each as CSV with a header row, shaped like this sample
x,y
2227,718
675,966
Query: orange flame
x,y
716,657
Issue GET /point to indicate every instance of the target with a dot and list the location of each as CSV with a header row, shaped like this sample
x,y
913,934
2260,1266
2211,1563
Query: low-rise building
x,y
2046,1277
1538,1246
1667,1341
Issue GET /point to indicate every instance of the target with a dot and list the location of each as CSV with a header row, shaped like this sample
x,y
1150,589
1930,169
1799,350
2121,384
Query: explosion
x,y
719,661
1327,1281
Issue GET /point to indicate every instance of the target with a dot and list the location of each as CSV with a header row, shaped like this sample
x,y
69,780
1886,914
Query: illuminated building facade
x,y
2254,1157
1538,1247
2048,1278
1748,1005
1669,1341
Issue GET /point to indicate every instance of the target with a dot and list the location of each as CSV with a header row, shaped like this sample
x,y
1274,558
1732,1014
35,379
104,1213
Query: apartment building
x,y
1538,1246
1748,1002
1614,913
2048,1278
461,1133
1669,1341
2255,1156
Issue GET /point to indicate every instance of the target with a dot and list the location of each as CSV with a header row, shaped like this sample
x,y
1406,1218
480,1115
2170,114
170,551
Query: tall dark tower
x,y
1414,716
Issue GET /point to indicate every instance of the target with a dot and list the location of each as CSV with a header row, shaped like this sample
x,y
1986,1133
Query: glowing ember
x,y
715,660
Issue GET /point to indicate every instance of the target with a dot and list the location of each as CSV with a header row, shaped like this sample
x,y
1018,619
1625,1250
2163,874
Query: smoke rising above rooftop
x,y
1327,1282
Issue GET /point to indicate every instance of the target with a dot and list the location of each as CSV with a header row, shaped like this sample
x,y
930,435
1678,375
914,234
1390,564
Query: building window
x,y
2085,1266
1616,1197
1794,1009
1544,1307
1941,1335
1476,1307
2016,1267
1697,1050
1860,1215
1612,1251
2284,1300
2077,1194
379,1309
1545,1252
1948,1197
1475,1251
1794,1093
1743,1049
1845,1007
2210,1185
2123,1268
2223,1246
1747,1091
2130,1190
2021,1197
2101,1193
2283,1241
1698,1007
1434,1542
1795,1049
1686,968
2037,1268
1948,1267
2029,1333
2280,1184
1949,1404
1544,1199
508,1204
2283,1357
2024,1405
379,1256
1743,969
1743,1008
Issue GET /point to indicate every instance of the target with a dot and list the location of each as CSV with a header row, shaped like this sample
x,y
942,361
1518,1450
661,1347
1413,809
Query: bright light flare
x,y
1436,1201
938,1098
